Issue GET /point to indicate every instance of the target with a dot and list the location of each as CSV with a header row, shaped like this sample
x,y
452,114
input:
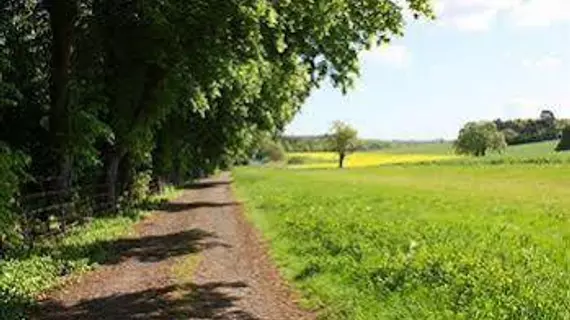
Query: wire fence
x,y
46,209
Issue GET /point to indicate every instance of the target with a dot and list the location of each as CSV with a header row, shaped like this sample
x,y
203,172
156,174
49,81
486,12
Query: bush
x,y
11,173
271,151
140,189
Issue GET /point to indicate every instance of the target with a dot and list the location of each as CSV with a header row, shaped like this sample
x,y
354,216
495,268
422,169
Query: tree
x,y
476,138
343,139
564,144
271,150
96,92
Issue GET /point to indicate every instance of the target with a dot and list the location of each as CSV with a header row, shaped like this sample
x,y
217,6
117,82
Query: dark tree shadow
x,y
174,207
145,249
171,302
206,184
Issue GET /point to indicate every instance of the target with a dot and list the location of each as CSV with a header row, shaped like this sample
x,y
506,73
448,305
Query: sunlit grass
x,y
420,242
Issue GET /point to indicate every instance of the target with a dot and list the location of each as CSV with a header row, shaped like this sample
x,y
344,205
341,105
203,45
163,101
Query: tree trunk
x,y
341,160
126,176
64,183
112,174
177,178
62,14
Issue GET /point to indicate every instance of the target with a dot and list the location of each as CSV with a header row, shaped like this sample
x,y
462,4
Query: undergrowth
x,y
26,274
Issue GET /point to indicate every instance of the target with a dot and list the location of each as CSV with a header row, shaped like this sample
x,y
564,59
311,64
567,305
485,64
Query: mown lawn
x,y
420,242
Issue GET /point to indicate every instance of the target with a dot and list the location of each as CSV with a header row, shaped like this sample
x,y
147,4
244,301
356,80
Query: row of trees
x,y
519,131
477,138
108,91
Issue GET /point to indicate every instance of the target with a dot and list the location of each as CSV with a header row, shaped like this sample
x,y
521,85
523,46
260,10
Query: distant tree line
x,y
321,143
477,138
520,131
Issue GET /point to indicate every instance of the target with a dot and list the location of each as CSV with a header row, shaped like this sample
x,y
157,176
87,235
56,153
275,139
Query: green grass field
x,y
419,242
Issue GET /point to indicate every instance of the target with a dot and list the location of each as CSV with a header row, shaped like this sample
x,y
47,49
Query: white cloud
x,y
522,108
480,15
477,21
394,55
483,4
530,107
540,12
546,63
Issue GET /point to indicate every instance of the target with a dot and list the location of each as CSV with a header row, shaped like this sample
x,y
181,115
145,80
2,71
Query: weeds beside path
x,y
195,258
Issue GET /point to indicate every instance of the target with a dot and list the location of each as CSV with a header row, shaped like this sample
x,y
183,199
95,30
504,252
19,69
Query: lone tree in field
x,y
476,138
343,139
564,144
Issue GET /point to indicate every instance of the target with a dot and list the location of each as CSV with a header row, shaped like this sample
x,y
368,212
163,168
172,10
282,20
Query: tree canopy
x,y
343,140
106,91
519,131
476,138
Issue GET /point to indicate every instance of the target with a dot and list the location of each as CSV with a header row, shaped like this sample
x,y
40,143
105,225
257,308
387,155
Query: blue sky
x,y
482,59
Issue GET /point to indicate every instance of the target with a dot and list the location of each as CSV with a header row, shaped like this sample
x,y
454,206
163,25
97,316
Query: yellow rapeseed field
x,y
361,159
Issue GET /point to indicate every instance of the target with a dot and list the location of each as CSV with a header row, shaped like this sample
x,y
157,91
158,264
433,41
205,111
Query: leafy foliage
x,y
476,138
519,131
270,150
12,172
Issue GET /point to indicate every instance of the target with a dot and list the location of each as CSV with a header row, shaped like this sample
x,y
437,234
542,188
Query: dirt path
x,y
152,278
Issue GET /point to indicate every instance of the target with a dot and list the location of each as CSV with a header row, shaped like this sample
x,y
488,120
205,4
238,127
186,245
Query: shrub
x,y
272,151
141,187
11,172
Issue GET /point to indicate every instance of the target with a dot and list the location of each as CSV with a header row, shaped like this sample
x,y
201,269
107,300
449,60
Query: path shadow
x,y
207,301
205,184
174,207
145,249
